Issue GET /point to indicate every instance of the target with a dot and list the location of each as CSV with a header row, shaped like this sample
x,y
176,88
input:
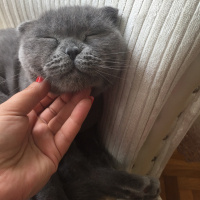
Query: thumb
x,y
23,102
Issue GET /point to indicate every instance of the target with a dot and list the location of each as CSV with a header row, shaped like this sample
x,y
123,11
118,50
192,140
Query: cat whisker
x,y
115,53
98,72
111,75
114,59
112,68
113,62
119,65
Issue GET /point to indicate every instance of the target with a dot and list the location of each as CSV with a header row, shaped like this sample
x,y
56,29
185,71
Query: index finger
x,y
23,102
70,128
44,103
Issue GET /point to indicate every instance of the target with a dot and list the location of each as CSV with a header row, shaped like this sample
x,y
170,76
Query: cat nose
x,y
72,52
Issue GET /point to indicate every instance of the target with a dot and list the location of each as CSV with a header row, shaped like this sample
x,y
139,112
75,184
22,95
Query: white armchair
x,y
156,101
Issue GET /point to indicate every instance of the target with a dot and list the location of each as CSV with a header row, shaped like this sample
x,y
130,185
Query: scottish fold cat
x,y
74,48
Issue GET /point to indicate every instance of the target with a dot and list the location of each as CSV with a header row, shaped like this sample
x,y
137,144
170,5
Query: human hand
x,y
36,129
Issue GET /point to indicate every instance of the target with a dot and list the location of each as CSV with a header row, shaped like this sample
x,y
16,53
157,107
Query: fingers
x,y
23,102
55,107
45,102
70,128
61,116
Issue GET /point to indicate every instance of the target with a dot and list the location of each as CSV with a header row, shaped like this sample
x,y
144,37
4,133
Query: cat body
x,y
74,48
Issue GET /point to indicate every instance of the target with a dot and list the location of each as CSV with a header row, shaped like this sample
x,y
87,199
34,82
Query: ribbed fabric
x,y
177,115
163,38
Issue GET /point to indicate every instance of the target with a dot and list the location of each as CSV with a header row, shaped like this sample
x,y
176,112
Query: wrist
x,y
10,189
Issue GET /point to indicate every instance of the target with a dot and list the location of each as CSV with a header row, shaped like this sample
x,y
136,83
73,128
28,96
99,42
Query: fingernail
x,y
39,79
92,99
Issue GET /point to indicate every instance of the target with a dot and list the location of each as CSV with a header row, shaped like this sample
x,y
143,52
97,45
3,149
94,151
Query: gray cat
x,y
74,48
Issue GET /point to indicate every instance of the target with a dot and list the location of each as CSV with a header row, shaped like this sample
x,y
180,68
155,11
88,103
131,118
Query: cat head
x,y
73,48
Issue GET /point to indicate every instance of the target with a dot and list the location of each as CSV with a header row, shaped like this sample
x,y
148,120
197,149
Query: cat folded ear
x,y
111,13
25,26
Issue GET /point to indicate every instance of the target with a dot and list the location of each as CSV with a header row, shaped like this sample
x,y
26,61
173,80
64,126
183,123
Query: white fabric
x,y
163,38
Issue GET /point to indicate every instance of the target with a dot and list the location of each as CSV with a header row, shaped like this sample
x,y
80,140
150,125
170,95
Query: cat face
x,y
73,48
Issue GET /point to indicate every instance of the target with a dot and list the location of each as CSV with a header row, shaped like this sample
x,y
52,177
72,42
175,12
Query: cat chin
x,y
60,89
64,89
57,90
94,91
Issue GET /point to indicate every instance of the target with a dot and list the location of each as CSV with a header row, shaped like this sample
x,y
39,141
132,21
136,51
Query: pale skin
x,y
36,130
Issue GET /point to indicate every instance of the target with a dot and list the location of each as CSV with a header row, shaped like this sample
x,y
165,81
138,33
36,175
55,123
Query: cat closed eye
x,y
90,35
49,38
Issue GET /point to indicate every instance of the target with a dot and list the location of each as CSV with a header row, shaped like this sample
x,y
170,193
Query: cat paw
x,y
152,189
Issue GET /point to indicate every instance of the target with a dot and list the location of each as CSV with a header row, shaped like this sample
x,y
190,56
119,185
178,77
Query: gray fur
x,y
74,48
95,35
